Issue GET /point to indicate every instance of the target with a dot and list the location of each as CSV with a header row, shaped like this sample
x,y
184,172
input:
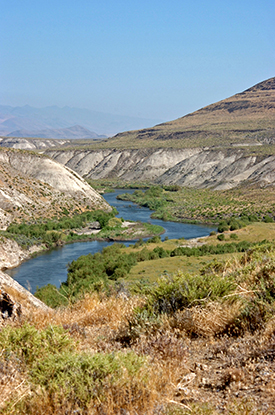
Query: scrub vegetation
x,y
89,225
236,207
120,339
106,271
187,344
54,231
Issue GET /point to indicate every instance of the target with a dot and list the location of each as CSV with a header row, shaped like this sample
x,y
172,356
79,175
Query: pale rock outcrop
x,y
195,167
12,255
20,296
39,167
59,177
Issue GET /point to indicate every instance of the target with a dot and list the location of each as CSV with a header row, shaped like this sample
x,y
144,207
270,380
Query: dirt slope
x,y
33,186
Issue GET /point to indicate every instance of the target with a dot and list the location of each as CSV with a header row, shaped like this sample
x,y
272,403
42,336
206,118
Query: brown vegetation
x,y
213,356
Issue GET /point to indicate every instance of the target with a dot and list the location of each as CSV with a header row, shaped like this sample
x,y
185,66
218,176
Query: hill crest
x,y
244,118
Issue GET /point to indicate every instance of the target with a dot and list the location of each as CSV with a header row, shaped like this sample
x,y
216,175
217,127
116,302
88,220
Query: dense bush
x,y
51,296
223,226
29,344
153,197
82,378
234,223
268,219
212,249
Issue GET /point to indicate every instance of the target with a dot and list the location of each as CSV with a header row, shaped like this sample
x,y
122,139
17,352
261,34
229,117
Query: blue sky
x,y
148,58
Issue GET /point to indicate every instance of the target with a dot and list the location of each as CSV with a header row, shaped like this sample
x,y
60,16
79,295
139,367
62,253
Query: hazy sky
x,y
149,58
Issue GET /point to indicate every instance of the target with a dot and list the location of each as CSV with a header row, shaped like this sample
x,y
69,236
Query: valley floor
x,y
169,349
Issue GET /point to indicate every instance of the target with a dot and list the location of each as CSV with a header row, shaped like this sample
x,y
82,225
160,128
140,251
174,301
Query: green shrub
x,y
161,253
49,232
30,344
223,226
268,219
154,240
221,237
114,222
181,291
71,380
51,296
81,378
154,191
139,243
234,225
233,236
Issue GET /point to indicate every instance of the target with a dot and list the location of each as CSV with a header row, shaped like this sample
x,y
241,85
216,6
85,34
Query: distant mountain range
x,y
76,132
66,122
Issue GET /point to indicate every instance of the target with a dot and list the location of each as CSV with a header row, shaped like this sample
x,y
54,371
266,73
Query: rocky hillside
x,y
33,186
220,169
219,146
25,143
245,118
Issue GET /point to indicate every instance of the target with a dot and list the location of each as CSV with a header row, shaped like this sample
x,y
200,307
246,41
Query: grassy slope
x,y
152,270
246,118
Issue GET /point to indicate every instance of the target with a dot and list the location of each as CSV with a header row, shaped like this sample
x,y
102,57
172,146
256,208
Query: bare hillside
x,y
244,118
34,186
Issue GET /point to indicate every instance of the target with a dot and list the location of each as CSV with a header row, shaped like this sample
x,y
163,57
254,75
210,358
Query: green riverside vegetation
x,y
236,207
72,229
107,271
51,232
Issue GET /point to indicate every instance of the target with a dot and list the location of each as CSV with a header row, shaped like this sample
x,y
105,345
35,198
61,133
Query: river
x,y
51,267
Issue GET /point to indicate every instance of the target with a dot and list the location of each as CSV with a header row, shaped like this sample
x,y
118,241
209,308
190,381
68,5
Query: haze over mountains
x,y
66,122
76,132
221,146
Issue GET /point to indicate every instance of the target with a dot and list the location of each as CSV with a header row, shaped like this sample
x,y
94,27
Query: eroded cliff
x,y
34,186
197,167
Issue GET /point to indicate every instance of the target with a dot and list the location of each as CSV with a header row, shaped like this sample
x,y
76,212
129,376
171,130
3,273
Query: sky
x,y
154,59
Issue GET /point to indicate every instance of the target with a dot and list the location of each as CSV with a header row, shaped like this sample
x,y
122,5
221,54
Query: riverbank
x,y
114,229
188,205
12,254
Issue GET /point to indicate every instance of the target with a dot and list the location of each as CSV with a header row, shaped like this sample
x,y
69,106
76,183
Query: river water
x,y
51,267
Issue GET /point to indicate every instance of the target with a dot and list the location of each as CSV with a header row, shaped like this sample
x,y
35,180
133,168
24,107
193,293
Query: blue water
x,y
51,267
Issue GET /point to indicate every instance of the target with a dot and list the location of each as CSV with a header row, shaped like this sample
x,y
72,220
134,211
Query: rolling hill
x,y
219,146
247,118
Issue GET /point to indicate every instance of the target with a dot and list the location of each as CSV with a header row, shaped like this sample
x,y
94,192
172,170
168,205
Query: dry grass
x,y
13,382
92,310
209,321
193,365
